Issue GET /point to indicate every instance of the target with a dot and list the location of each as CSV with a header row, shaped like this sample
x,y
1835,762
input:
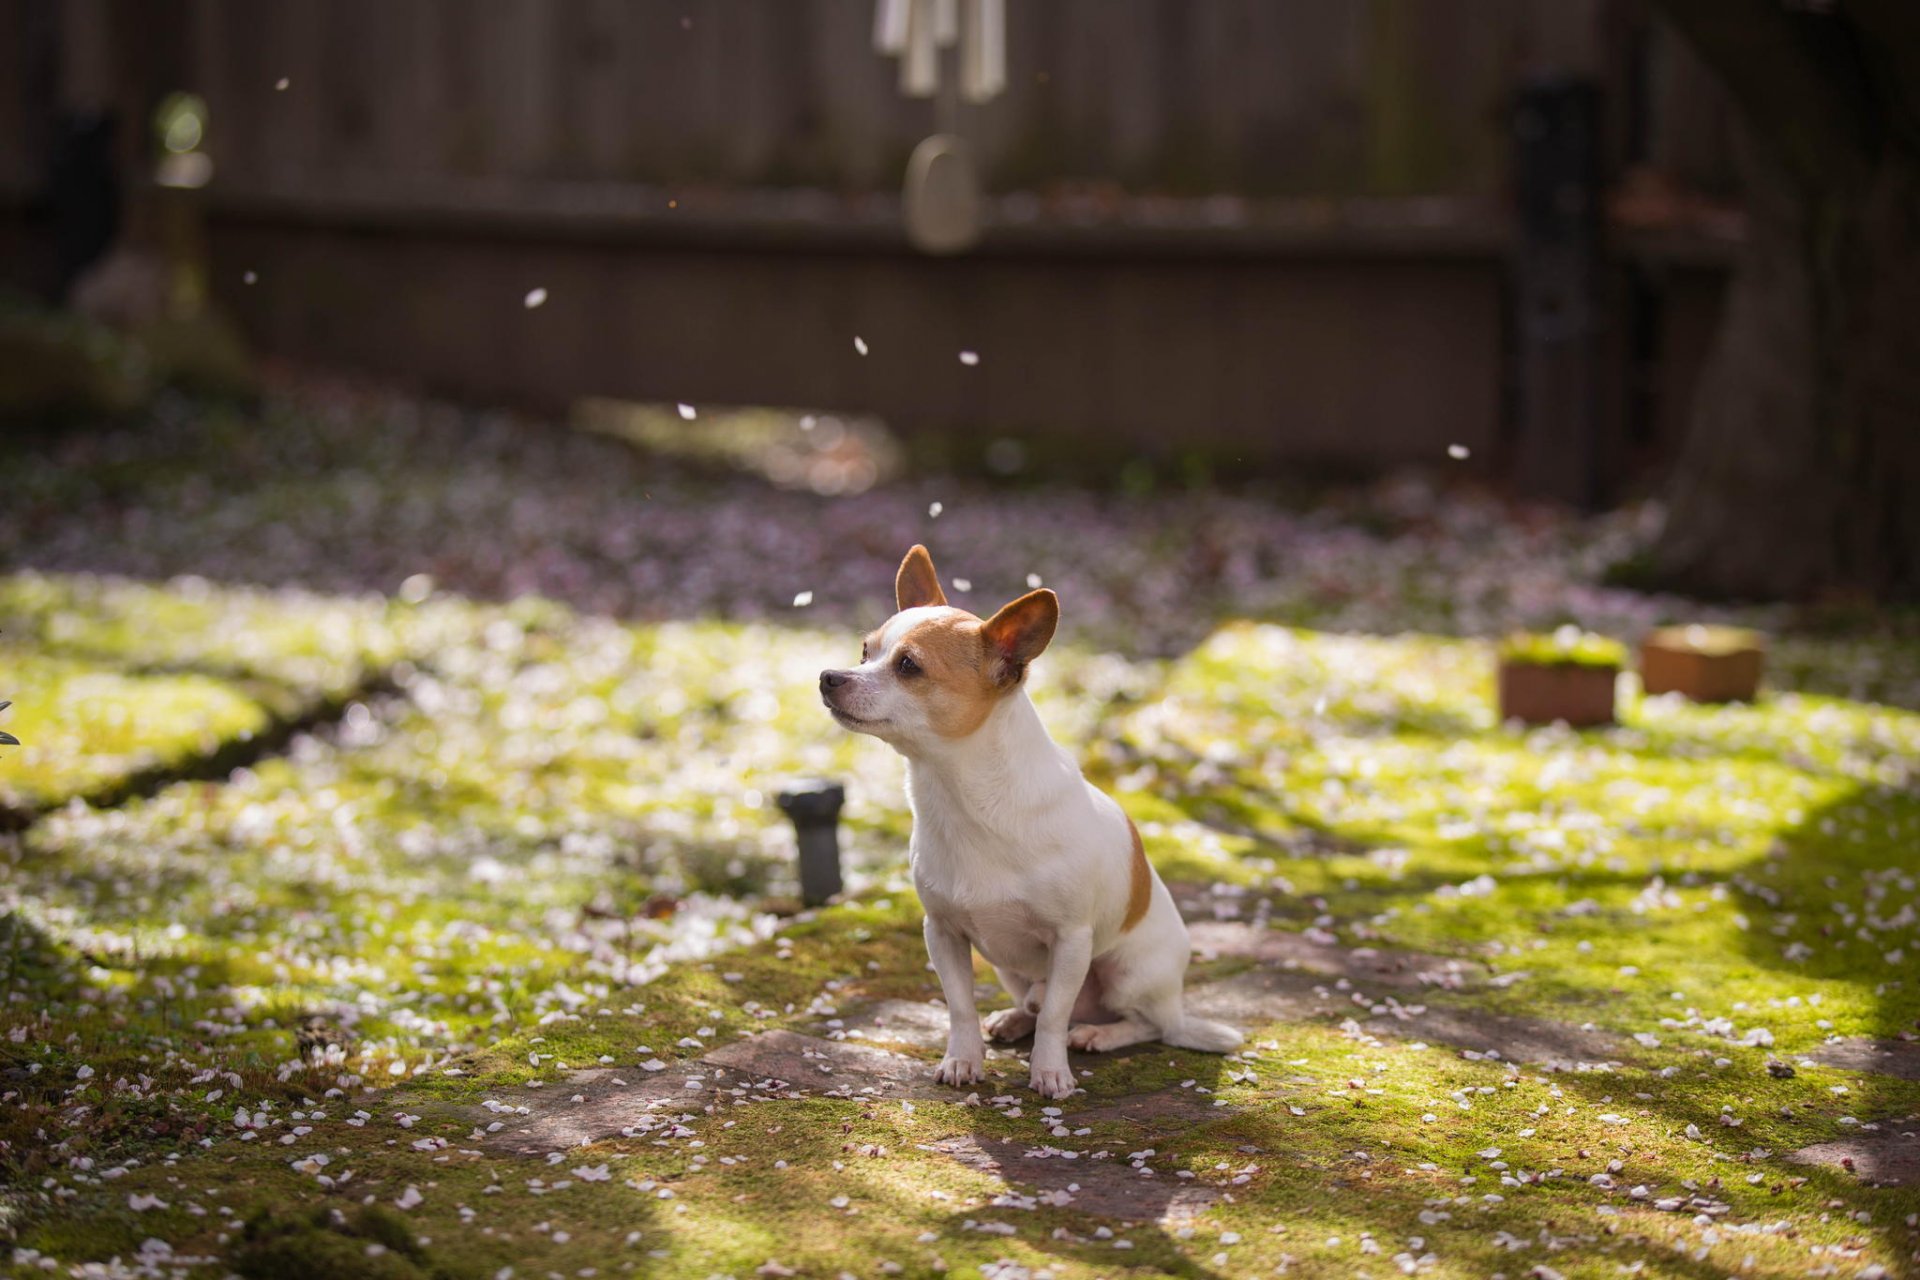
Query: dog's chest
x,y
1010,937
1001,923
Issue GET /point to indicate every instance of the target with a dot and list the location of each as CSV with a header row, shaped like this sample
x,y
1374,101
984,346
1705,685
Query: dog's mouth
x,y
847,717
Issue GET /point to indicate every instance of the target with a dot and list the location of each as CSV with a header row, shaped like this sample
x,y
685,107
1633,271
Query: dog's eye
x,y
907,666
864,655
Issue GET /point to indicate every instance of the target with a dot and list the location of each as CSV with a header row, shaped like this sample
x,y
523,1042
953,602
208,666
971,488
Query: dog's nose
x,y
831,680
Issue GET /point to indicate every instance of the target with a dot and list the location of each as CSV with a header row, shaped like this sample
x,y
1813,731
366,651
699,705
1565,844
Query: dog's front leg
x,y
1072,953
952,957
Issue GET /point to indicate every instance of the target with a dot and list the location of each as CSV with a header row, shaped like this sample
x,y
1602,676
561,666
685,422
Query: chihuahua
x,y
1014,853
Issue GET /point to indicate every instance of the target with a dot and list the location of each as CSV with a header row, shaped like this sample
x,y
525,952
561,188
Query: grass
x,y
120,684
1717,642
524,841
1567,647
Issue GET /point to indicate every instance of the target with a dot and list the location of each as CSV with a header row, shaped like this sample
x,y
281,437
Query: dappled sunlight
x,y
535,809
1565,857
353,493
83,727
522,840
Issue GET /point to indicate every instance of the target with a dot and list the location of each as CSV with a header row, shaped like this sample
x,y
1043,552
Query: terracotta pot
x,y
1541,693
1705,664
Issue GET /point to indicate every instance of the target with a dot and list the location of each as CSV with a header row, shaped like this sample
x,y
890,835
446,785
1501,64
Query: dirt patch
x,y
918,1024
586,1107
1879,1057
1892,1157
1558,1046
1250,1000
811,1065
1362,966
1110,1188
601,1104
1155,1114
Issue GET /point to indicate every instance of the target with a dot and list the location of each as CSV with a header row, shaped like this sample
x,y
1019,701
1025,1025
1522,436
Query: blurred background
x,y
1235,237
1236,234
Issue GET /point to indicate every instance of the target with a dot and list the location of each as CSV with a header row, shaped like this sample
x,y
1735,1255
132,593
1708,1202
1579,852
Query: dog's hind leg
x,y
1163,1014
1182,1030
1008,1025
1016,985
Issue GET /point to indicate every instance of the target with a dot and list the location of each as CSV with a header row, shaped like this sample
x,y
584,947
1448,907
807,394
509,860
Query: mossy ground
x,y
253,1020
539,846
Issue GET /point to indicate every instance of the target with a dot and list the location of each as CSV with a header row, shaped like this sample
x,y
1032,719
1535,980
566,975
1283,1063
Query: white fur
x,y
1017,856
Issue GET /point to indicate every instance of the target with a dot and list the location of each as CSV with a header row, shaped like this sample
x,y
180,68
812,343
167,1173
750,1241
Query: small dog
x,y
1014,853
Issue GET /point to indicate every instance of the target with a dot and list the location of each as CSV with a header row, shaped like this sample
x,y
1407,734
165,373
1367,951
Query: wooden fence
x,y
1330,98
1274,225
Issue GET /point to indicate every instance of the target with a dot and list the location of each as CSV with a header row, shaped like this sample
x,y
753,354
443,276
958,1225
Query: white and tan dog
x,y
1014,853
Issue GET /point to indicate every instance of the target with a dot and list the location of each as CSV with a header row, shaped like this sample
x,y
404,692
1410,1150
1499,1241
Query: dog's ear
x,y
917,584
1019,633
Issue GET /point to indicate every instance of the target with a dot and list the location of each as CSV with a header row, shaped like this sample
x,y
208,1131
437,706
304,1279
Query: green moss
x,y
326,1242
84,727
1567,647
1714,641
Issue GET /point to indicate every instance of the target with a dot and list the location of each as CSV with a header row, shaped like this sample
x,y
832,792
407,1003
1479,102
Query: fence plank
x,y
1389,97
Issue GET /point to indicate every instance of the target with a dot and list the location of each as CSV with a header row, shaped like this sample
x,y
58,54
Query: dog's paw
x,y
1052,1082
1088,1036
957,1071
1008,1025
1100,1037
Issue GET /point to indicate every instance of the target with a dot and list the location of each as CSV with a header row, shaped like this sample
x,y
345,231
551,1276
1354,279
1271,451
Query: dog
x,y
1014,853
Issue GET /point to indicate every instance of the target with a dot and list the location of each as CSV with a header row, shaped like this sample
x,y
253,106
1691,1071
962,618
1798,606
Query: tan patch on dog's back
x,y
1140,895
954,678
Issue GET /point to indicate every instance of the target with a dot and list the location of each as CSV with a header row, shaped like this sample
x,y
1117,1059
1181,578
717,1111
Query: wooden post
x,y
814,808
1556,282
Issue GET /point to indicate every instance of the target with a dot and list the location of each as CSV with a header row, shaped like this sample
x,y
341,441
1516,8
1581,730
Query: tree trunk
x,y
1800,471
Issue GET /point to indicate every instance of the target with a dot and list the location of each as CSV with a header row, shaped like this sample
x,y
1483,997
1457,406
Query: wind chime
x,y
942,191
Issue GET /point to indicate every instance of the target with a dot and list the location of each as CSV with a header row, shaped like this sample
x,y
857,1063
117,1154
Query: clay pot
x,y
1581,694
1705,664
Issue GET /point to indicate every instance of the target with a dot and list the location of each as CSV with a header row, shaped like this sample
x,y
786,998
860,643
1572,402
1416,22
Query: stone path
x,y
1889,1157
883,1050
1878,1057
1295,953
1104,1188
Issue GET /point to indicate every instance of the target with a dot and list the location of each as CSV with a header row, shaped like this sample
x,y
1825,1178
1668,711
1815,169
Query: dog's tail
x,y
1202,1034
